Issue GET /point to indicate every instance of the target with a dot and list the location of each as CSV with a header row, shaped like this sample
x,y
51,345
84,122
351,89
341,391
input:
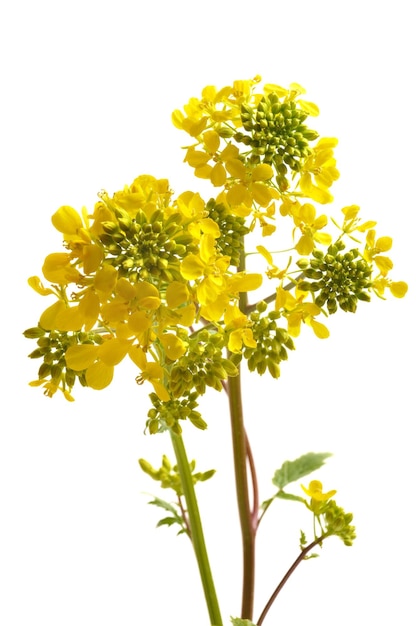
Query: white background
x,y
87,93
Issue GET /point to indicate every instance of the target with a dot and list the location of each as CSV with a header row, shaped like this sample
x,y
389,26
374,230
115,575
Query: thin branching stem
x,y
286,577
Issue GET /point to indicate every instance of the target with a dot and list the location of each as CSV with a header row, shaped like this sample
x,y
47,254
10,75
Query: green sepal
x,y
302,466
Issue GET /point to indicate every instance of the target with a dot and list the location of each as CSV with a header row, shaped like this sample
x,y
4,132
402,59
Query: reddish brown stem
x,y
287,576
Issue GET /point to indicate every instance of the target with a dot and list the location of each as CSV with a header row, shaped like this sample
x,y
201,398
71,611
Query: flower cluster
x,y
337,278
331,518
163,279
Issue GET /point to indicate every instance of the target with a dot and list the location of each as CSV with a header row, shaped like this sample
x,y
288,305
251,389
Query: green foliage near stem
x,y
300,467
175,516
237,621
292,471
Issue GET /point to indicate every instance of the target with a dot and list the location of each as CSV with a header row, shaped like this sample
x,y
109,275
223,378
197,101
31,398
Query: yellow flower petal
x,y
261,194
245,282
48,317
236,168
92,257
398,289
80,357
262,172
67,220
305,245
113,351
218,175
36,284
211,140
384,243
174,347
266,254
192,267
106,278
314,491
99,375
138,356
203,172
383,263
309,107
238,194
197,158
176,294
57,269
319,329
69,318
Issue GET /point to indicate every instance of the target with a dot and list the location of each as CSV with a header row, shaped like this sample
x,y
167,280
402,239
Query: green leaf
x,y
166,521
289,496
304,465
237,621
164,505
174,518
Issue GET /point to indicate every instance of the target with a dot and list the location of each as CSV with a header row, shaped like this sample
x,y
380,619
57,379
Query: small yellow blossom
x,y
239,325
297,311
319,171
304,217
151,372
318,498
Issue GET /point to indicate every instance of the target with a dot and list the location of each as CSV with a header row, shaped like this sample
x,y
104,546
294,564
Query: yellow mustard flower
x,y
150,371
146,193
319,171
317,496
207,268
97,361
272,271
58,269
374,247
398,289
50,387
297,311
304,217
238,325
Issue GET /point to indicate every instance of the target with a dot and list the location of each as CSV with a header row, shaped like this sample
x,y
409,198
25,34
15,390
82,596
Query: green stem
x,y
248,520
197,535
243,460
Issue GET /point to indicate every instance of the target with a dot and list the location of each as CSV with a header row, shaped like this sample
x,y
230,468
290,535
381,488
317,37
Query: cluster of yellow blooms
x,y
163,279
331,518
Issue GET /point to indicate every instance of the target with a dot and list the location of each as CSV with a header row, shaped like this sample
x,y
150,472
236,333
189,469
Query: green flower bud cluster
x,y
143,247
203,365
338,278
168,414
168,475
230,242
272,342
277,133
339,523
52,345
